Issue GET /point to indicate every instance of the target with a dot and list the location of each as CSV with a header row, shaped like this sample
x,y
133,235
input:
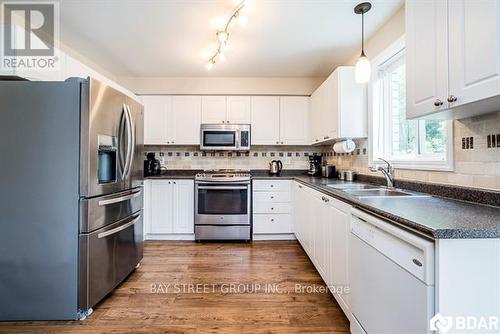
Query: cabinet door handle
x,y
272,208
272,185
272,197
300,186
277,142
451,99
326,137
281,143
272,219
417,262
438,103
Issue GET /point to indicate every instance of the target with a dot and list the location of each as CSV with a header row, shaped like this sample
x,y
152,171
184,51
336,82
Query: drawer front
x,y
272,197
269,223
272,185
265,207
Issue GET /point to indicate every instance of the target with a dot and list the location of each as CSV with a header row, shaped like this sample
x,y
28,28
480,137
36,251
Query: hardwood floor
x,y
166,294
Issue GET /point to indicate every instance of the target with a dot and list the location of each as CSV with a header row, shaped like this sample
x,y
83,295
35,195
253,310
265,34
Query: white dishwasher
x,y
392,278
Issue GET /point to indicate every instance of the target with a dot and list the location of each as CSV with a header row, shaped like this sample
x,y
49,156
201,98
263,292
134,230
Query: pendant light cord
x,y
363,34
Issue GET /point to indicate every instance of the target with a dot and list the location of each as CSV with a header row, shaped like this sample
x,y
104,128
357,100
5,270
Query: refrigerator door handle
x,y
129,142
132,141
119,228
121,135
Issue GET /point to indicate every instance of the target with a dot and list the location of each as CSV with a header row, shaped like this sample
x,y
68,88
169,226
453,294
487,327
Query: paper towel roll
x,y
345,146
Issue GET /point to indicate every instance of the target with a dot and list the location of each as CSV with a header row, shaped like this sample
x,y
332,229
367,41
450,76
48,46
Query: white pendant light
x,y
363,69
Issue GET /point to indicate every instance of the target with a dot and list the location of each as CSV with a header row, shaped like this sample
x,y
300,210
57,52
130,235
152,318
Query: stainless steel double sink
x,y
361,190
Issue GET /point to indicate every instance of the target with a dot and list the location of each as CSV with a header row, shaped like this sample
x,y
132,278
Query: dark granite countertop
x,y
437,217
434,216
187,174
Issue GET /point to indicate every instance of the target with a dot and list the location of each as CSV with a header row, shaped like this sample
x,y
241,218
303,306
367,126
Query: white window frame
x,y
374,152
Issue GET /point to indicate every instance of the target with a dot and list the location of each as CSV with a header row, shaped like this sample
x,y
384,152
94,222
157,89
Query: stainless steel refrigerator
x,y
71,197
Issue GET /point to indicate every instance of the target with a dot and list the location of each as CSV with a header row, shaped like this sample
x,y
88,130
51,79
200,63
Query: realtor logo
x,y
30,34
465,324
441,324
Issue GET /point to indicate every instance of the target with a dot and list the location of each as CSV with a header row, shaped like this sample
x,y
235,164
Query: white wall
x,y
221,85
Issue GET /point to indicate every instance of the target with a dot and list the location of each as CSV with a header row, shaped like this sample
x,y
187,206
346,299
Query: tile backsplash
x,y
190,157
477,164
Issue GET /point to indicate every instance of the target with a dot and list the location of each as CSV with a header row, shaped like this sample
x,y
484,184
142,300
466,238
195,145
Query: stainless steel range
x,y
223,205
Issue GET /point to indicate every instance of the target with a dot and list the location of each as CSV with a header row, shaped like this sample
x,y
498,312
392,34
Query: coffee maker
x,y
152,166
314,165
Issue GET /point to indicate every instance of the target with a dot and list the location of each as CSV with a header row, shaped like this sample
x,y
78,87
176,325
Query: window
x,y
412,144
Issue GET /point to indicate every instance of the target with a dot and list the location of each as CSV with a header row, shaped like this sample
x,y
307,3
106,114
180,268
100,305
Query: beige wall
x,y
222,86
393,29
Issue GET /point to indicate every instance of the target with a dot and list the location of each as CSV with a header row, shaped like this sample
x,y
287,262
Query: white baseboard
x,y
283,236
149,236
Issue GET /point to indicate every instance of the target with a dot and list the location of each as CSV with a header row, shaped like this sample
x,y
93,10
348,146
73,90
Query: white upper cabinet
x,y
275,120
238,109
426,63
339,108
172,120
452,58
280,120
474,42
294,120
157,110
213,109
265,120
186,120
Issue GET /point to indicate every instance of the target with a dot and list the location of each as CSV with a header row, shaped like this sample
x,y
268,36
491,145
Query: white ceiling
x,y
283,38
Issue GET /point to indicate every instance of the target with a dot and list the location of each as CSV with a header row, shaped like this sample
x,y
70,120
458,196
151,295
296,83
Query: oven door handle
x,y
223,187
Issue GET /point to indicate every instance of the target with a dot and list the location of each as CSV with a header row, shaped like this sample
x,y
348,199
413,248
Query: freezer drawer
x,y
101,211
108,256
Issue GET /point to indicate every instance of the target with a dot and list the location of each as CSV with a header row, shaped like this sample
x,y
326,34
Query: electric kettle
x,y
275,167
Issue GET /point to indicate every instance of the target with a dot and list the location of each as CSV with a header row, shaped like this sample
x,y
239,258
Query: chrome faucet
x,y
388,172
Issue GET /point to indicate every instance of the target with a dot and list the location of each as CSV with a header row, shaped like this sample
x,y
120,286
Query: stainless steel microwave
x,y
225,137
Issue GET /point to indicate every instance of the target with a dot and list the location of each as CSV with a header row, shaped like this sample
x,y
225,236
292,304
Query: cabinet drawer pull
x,y
272,185
326,137
272,219
272,197
452,98
438,103
272,208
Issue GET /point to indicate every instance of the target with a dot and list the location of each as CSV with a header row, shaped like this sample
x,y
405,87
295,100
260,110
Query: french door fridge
x,y
71,196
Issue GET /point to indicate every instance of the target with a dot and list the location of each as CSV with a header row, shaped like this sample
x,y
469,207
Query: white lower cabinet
x,y
169,209
272,209
321,225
